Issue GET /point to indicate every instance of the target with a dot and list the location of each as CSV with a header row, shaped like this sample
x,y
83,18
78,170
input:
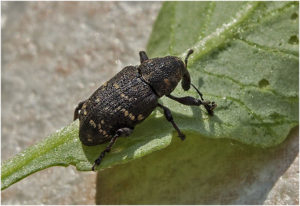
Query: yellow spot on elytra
x,y
102,121
100,130
126,113
92,123
116,86
124,96
104,132
140,117
131,116
99,126
119,107
97,100
104,86
84,112
84,106
89,140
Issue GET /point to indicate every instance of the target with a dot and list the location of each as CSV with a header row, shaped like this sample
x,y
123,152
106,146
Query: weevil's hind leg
x,y
77,110
169,117
120,132
143,56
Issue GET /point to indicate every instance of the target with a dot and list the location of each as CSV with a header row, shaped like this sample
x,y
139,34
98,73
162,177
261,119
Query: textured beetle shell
x,y
163,74
123,101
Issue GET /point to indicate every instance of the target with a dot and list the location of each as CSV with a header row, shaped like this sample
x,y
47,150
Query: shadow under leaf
x,y
199,171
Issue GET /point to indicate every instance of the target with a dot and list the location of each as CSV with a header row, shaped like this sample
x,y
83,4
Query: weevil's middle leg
x,y
169,117
120,132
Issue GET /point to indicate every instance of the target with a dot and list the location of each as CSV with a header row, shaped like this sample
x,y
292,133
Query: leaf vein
x,y
242,104
218,37
276,12
209,12
280,52
275,93
172,26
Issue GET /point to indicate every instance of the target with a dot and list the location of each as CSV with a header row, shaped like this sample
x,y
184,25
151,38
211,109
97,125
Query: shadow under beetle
x,y
130,96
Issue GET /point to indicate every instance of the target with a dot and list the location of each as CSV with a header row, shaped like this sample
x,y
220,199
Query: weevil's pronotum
x,y
130,96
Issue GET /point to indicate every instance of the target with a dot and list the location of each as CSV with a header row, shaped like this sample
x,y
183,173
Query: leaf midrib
x,y
37,151
200,49
209,12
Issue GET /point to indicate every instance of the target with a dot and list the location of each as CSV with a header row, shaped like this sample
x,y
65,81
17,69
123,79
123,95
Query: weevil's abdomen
x,y
123,101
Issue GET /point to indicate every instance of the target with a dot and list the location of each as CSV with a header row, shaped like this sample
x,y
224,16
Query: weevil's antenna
x,y
187,56
200,94
209,106
186,79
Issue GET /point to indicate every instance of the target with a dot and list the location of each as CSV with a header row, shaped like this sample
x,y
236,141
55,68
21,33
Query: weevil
x,y
127,99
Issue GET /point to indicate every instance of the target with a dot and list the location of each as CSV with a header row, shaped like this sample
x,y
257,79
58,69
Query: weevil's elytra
x,y
130,96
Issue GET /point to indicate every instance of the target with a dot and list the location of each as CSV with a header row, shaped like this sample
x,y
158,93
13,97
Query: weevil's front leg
x,y
120,132
169,117
143,56
191,101
77,109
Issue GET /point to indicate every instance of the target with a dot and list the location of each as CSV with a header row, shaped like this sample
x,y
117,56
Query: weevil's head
x,y
163,74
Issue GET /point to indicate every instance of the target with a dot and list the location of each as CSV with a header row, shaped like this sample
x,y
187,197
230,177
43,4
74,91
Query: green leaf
x,y
203,171
64,148
245,59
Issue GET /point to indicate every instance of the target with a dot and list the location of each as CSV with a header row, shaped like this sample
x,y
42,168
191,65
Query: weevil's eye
x,y
139,71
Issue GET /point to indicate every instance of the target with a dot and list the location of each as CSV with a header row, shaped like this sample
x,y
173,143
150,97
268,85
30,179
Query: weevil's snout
x,y
186,78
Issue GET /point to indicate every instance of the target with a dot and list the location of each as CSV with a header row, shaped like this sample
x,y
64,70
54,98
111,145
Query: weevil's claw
x,y
97,162
181,136
210,106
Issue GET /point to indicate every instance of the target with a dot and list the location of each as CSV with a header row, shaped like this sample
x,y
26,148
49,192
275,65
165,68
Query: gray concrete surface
x,y
54,54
